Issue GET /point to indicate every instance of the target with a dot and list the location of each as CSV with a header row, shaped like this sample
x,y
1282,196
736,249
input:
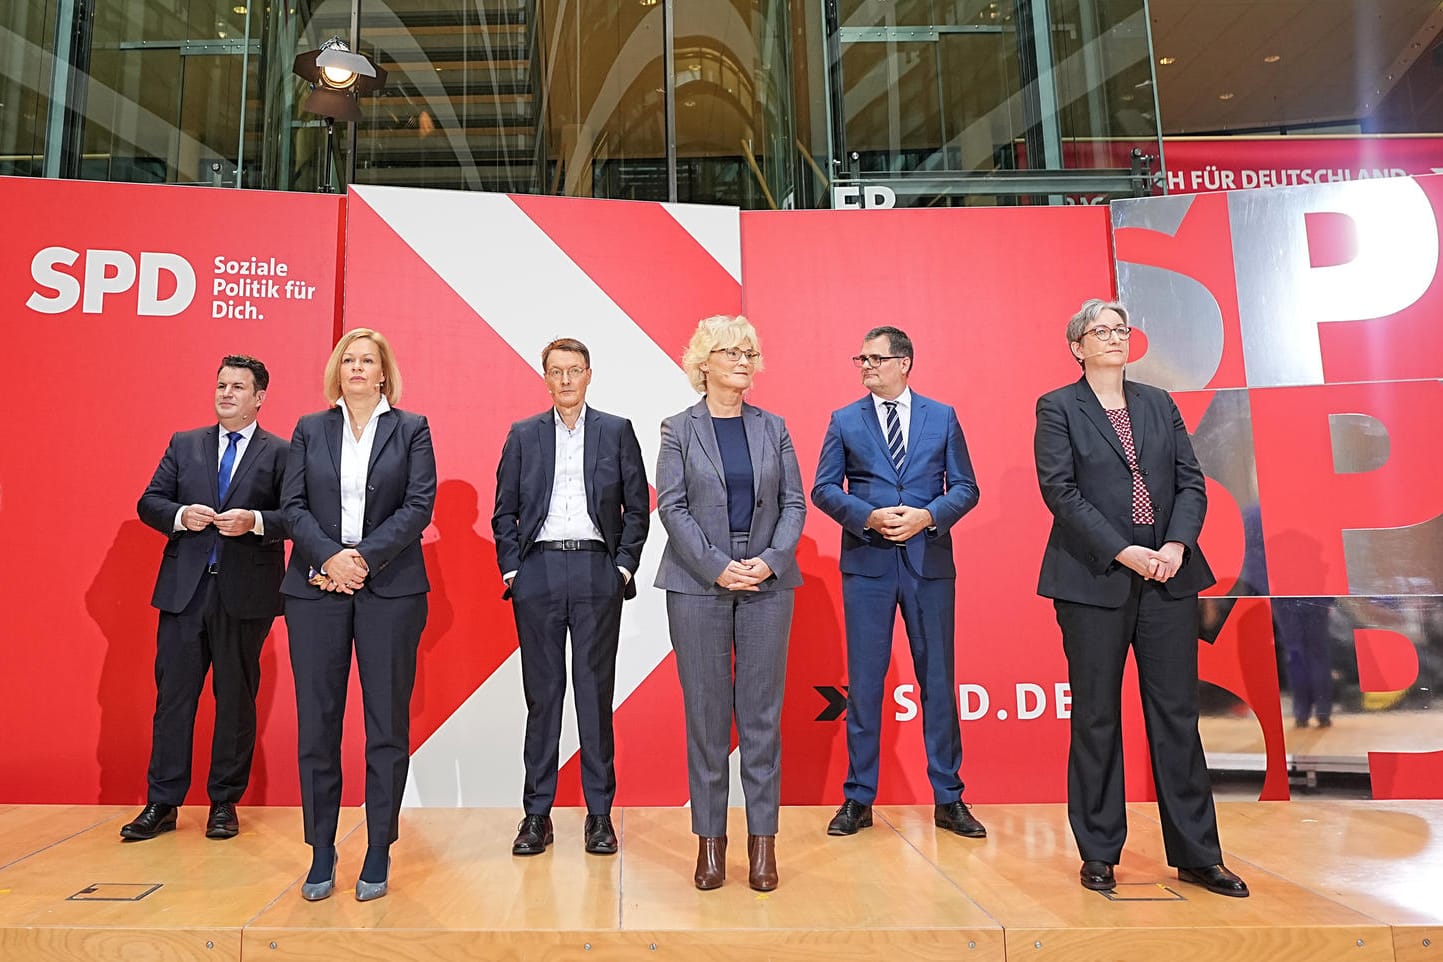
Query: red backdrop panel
x,y
95,391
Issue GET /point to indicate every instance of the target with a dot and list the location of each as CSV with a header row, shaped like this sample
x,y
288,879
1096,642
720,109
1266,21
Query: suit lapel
x,y
546,445
867,409
385,427
756,443
254,447
1138,412
590,444
706,436
1092,408
921,411
211,441
334,424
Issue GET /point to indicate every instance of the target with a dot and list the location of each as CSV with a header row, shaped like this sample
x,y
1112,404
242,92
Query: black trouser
x,y
555,593
386,633
1163,634
204,638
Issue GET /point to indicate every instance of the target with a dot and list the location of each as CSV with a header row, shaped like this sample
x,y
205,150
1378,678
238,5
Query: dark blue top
x,y
731,438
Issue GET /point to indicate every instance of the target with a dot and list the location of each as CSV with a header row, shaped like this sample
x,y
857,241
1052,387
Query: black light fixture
x,y
337,77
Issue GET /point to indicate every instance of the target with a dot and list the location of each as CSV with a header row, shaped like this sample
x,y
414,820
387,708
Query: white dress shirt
x,y
355,463
246,433
567,517
904,414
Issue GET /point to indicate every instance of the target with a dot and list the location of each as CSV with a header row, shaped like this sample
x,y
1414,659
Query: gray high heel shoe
x,y
315,891
366,891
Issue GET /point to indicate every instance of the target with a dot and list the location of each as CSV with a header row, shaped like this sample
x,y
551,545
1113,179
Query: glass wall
x,y
968,101
756,103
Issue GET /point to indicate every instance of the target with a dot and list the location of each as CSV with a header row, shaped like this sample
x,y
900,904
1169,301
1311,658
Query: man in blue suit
x,y
895,474
572,512
216,497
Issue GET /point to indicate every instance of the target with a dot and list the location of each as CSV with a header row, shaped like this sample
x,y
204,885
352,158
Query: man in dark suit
x,y
572,511
894,472
216,496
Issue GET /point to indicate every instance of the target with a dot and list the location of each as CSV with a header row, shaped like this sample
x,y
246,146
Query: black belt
x,y
587,544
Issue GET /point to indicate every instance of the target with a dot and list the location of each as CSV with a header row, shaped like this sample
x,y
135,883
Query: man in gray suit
x,y
572,512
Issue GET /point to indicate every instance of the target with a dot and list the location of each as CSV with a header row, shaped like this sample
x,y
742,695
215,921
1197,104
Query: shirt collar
x,y
381,408
580,419
246,432
904,401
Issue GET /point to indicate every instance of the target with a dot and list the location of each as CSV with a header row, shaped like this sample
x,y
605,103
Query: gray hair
x,y
1091,309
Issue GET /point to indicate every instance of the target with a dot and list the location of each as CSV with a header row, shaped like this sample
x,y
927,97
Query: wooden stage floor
x,y
1347,880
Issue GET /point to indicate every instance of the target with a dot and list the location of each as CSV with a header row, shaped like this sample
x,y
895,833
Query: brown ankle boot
x,y
762,857
711,862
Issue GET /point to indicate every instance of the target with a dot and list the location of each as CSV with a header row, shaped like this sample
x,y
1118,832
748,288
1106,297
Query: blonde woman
x,y
359,488
729,493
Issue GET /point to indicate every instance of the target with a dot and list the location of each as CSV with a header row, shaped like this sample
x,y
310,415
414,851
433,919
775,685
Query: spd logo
x,y
164,283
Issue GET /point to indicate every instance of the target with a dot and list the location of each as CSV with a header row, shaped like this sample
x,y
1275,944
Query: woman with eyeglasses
x,y
1123,569
729,493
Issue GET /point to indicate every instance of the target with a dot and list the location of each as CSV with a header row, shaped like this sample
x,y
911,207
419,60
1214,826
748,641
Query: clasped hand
x,y
900,522
744,575
346,571
236,521
1159,565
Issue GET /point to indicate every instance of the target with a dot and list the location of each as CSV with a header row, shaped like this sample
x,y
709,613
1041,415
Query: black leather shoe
x,y
957,818
849,818
1097,876
600,836
1215,878
154,818
533,835
222,821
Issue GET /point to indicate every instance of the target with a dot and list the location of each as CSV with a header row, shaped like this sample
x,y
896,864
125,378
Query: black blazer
x,y
617,498
251,566
1087,485
400,492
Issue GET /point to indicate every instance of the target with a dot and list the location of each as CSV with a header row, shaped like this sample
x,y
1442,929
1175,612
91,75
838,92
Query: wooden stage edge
x,y
1352,880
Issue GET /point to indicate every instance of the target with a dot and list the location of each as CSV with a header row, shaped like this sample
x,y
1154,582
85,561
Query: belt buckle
x,y
570,544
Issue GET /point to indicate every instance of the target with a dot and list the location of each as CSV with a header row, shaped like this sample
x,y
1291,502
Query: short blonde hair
x,y
390,372
716,333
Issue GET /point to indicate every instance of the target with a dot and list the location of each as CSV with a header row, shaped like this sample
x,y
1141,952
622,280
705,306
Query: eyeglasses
x,y
735,354
874,360
1106,334
574,373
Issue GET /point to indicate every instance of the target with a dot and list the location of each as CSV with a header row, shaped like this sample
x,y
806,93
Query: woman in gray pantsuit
x,y
729,493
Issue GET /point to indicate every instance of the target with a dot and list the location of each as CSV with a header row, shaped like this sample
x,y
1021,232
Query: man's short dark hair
x,y
898,342
257,369
565,344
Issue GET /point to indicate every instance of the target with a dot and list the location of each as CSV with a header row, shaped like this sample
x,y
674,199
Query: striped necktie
x,y
895,444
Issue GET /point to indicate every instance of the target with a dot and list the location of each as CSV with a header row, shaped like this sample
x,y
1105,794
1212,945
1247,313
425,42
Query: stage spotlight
x,y
337,77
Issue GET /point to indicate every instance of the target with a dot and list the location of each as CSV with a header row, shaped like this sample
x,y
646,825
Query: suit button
x,y
759,502
899,489
370,487
1144,472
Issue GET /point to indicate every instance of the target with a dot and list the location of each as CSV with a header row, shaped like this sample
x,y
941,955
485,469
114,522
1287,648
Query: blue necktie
x,y
222,481
895,444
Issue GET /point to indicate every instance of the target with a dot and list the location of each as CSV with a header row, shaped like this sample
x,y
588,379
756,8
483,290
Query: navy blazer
x,y
400,493
617,497
1087,485
691,501
936,475
250,565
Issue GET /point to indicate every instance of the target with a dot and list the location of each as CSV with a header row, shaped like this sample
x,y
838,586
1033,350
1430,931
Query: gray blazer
x,y
691,501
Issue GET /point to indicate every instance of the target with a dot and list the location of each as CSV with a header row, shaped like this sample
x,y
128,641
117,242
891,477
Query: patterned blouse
x,y
1141,500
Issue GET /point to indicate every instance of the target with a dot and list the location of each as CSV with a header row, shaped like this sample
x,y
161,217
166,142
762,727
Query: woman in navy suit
x,y
1124,570
729,493
359,488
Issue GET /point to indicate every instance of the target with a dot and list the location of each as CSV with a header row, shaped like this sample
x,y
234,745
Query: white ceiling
x,y
1338,59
